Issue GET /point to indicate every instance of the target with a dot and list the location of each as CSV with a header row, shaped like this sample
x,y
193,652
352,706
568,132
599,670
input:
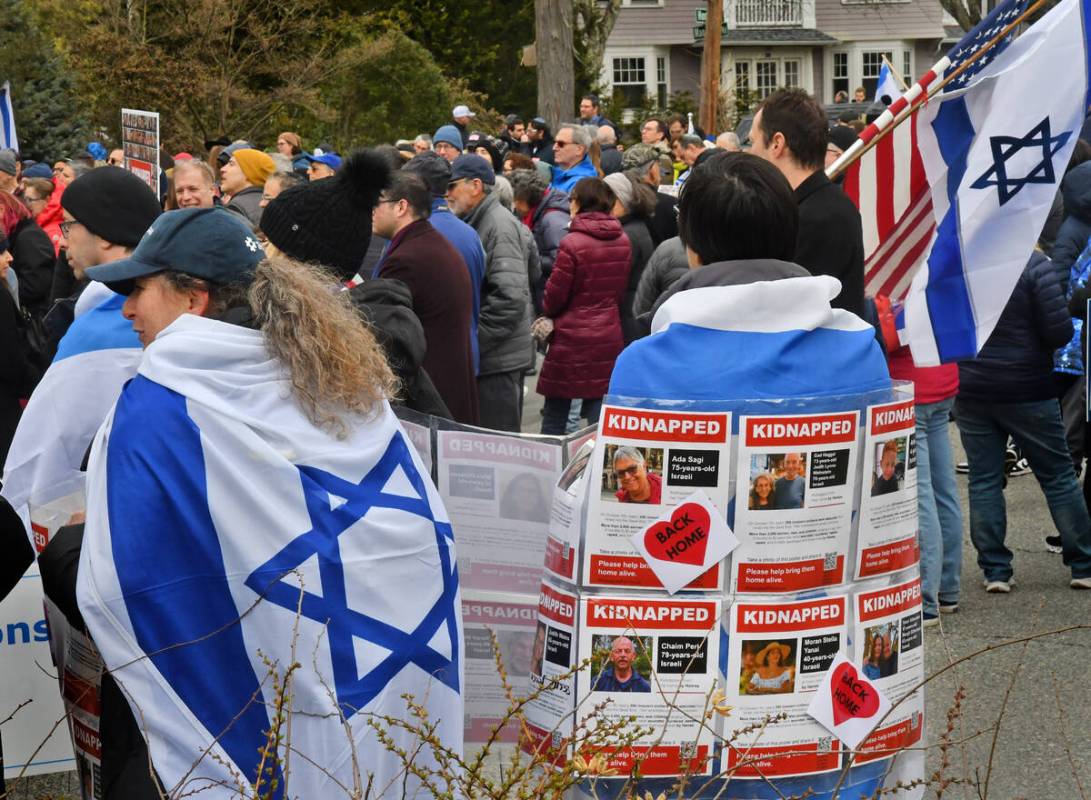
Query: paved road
x,y
1043,749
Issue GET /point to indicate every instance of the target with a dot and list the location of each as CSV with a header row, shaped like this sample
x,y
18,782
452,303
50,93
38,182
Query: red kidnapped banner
x,y
828,612
800,431
663,426
894,417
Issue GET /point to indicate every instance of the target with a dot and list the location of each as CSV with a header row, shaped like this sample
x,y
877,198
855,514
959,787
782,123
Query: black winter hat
x,y
329,221
113,204
433,169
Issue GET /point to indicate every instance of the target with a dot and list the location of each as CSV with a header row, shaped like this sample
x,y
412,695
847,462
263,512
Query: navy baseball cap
x,y
331,160
210,243
472,166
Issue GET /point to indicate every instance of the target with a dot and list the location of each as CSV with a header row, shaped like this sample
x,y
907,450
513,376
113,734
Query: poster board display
x,y
778,654
655,659
550,714
887,533
797,477
566,515
645,462
497,490
513,620
140,143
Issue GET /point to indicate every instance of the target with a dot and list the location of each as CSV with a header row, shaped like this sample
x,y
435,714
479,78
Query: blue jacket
x,y
565,179
466,242
1071,241
1016,363
1069,359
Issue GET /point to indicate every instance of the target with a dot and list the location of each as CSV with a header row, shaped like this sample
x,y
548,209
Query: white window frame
x,y
855,51
642,3
649,54
753,56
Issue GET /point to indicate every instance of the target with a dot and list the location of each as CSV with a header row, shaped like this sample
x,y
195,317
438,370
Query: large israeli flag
x,y
228,538
94,359
995,153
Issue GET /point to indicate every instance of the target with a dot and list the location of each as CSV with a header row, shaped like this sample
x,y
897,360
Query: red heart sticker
x,y
853,697
684,539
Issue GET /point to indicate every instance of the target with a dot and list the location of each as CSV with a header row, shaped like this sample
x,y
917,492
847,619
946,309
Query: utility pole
x,y
710,67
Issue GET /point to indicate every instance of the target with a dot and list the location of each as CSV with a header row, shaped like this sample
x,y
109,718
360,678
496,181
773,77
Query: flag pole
x,y
894,72
905,106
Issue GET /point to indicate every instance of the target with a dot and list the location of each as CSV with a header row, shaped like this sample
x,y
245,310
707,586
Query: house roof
x,y
777,36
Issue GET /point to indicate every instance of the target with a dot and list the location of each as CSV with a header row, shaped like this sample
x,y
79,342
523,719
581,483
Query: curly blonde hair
x,y
333,360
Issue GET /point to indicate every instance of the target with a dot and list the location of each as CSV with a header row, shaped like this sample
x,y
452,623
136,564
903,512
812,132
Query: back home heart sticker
x,y
686,542
848,704
683,538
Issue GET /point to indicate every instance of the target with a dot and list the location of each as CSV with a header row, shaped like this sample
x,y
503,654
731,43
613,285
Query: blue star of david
x,y
1004,147
273,581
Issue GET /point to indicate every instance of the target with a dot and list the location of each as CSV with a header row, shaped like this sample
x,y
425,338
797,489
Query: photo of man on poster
x,y
618,673
788,489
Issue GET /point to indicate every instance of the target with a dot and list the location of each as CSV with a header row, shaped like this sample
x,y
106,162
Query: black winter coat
x,y
388,306
1016,363
831,239
17,373
664,224
640,241
32,258
1076,228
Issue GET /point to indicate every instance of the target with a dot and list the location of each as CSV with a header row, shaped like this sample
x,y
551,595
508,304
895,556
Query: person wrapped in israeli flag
x,y
257,519
994,153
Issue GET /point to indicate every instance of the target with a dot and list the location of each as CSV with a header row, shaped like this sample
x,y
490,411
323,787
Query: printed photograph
x,y
768,666
524,496
778,481
880,650
633,474
889,474
621,663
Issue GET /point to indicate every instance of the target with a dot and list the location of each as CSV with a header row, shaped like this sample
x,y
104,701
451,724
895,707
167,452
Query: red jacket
x,y
50,218
588,280
930,384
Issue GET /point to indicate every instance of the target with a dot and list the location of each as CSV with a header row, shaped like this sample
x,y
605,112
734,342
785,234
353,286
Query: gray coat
x,y
667,264
503,331
247,204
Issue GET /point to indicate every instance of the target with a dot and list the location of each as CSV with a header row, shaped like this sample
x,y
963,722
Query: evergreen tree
x,y
49,118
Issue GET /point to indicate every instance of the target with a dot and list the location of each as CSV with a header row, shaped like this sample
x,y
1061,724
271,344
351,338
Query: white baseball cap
x,y
462,111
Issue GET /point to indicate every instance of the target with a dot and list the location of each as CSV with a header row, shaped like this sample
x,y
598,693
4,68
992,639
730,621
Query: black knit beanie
x,y
113,204
329,221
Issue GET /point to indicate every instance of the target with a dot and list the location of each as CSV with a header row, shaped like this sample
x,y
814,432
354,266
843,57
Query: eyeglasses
x,y
66,226
627,472
559,144
28,199
455,182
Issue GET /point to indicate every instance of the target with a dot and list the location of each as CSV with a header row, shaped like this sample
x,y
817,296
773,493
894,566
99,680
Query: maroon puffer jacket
x,y
588,280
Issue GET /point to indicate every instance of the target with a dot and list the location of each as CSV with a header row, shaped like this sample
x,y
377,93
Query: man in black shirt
x,y
791,131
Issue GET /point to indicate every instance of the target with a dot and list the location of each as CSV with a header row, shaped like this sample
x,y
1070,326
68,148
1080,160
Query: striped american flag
x,y
888,183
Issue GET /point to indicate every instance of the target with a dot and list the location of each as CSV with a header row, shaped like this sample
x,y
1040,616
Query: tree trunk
x,y
556,70
967,15
710,68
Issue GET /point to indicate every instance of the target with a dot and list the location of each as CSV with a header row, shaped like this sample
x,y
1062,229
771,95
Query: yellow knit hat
x,y
255,165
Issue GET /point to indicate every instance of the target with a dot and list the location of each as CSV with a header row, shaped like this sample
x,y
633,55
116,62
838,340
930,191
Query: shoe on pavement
x,y
999,587
930,620
962,467
1021,467
1053,543
948,608
1080,583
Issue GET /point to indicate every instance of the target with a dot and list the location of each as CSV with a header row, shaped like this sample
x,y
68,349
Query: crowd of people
x,y
464,256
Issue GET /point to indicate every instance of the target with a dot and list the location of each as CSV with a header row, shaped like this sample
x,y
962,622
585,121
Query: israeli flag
x,y
887,86
995,153
775,339
7,119
94,359
229,538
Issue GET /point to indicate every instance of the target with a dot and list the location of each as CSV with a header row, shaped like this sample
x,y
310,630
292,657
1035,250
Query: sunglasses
x,y
627,472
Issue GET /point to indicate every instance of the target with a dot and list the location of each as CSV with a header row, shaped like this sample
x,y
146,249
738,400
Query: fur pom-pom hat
x,y
328,222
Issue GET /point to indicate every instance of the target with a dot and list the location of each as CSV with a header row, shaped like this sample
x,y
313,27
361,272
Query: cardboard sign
x,y
848,704
685,542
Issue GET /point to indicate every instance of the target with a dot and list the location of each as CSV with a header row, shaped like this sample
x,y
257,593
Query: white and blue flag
x,y
888,86
995,153
97,355
226,532
8,138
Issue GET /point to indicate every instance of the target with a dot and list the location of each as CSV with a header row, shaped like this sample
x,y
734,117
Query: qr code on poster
x,y
824,744
829,562
687,750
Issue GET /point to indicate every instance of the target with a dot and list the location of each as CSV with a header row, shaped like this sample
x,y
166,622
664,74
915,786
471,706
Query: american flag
x,y
889,184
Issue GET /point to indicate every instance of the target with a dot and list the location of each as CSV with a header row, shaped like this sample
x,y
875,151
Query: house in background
x,y
822,46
